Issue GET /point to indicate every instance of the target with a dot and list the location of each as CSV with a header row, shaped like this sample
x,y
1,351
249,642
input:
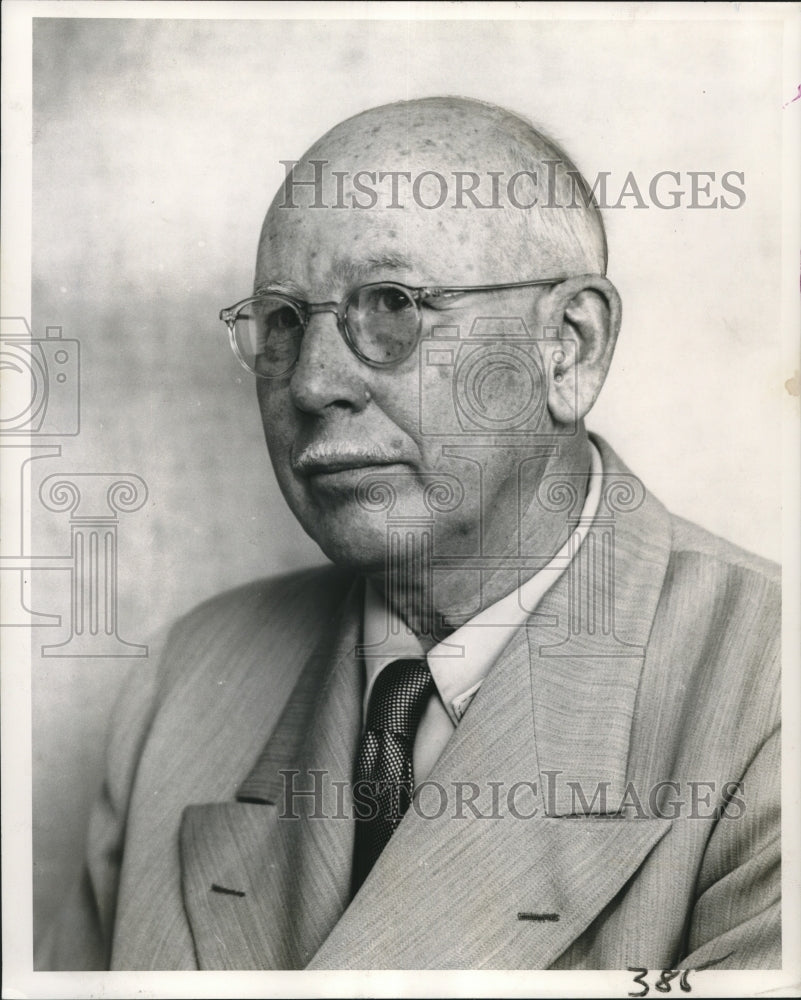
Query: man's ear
x,y
587,311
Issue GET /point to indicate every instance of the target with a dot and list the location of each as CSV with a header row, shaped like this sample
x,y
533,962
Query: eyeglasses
x,y
380,322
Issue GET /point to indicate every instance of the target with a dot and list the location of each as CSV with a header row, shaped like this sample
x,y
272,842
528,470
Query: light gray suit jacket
x,y
190,865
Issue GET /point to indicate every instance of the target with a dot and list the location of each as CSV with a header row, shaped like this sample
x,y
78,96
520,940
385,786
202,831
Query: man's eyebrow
x,y
393,261
356,272
277,284
353,273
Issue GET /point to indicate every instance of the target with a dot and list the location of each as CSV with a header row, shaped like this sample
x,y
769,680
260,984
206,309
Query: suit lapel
x,y
263,879
585,672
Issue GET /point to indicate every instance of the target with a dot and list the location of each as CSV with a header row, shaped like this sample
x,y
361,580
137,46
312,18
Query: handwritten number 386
x,y
662,985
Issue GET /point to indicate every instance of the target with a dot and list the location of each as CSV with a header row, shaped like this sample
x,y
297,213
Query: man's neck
x,y
512,549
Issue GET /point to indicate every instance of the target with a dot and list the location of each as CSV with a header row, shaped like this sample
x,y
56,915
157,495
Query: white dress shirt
x,y
460,663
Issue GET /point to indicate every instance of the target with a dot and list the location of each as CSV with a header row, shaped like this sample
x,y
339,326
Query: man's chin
x,y
348,519
356,546
354,555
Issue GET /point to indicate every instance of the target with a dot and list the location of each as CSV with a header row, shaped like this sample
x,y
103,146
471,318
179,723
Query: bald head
x,y
499,193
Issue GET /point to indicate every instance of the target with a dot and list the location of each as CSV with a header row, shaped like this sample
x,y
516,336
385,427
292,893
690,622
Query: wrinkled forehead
x,y
328,250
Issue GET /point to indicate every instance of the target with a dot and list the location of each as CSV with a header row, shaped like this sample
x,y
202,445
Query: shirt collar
x,y
460,663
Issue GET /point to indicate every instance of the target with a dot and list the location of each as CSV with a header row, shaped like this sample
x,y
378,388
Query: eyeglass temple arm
x,y
228,315
440,290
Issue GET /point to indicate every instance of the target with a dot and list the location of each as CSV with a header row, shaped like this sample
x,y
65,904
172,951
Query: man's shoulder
x,y
712,594
722,605
272,598
276,619
690,540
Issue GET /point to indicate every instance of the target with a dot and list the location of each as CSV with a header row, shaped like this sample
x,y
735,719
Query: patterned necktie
x,y
384,779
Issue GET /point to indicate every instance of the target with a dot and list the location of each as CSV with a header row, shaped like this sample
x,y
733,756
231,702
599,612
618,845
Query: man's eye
x,y
391,300
282,319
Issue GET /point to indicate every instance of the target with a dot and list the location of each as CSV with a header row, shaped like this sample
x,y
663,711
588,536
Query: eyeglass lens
x,y
383,322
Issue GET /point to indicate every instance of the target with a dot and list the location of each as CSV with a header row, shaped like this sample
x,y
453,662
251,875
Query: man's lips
x,y
316,461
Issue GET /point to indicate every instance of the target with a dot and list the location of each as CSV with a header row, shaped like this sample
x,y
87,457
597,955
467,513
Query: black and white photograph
x,y
400,442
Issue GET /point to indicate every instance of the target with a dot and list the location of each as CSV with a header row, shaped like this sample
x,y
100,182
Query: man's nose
x,y
327,373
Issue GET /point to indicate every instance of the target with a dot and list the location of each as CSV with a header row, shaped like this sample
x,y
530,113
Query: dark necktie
x,y
384,779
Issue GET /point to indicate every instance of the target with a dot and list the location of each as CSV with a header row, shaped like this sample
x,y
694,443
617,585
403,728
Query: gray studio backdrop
x,y
156,152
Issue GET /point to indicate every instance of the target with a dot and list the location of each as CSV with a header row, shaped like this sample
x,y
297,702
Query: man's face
x,y
335,420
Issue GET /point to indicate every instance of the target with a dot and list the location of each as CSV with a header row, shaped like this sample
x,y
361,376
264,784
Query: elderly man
x,y
528,719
